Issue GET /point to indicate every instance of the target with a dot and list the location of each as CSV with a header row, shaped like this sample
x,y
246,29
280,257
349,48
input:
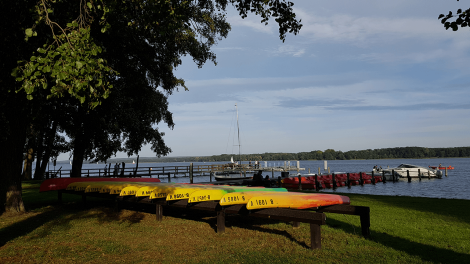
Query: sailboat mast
x,y
238,128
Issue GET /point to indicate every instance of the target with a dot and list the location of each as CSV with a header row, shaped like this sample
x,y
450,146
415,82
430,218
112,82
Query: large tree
x,y
109,65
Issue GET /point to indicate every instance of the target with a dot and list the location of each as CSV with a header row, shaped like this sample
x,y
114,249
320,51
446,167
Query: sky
x,y
361,74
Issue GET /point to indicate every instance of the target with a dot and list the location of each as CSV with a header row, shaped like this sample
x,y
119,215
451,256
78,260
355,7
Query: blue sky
x,y
361,74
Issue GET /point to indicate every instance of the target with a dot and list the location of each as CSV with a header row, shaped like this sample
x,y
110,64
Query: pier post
x,y
393,175
319,170
429,175
169,179
272,171
279,181
419,171
328,170
419,177
408,175
309,171
446,171
361,180
334,181
191,172
300,182
384,180
347,179
373,178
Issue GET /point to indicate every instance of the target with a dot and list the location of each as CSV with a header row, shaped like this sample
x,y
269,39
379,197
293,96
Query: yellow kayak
x,y
183,191
147,190
116,189
295,200
241,197
96,186
217,194
78,186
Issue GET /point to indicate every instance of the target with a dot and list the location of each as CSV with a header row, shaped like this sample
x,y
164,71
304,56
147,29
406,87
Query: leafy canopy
x,y
462,19
72,60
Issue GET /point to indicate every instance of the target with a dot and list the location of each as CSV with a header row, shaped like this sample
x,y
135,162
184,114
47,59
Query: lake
x,y
455,186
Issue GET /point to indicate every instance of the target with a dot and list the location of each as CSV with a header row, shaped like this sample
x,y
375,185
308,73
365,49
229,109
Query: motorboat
x,y
413,170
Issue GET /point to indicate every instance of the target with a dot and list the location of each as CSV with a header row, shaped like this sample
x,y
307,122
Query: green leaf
x,y
89,5
29,97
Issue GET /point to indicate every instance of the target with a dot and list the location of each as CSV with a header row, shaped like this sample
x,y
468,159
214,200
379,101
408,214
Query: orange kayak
x,y
295,200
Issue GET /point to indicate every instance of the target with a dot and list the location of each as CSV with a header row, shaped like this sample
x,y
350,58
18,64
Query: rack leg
x,y
315,236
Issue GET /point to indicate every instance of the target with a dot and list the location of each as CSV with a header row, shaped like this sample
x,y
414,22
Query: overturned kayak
x,y
216,194
295,200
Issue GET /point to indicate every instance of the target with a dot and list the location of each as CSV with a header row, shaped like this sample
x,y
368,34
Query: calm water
x,y
455,186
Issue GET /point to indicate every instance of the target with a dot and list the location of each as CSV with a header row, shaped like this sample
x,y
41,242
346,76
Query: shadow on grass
x,y
60,217
425,252
240,221
455,208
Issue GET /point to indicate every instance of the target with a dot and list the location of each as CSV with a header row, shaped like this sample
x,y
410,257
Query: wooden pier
x,y
174,171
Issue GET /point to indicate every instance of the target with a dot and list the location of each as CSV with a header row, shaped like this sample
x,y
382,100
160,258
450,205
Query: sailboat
x,y
236,172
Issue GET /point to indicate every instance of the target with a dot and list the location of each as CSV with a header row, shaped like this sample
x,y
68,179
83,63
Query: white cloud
x,y
252,22
288,50
370,30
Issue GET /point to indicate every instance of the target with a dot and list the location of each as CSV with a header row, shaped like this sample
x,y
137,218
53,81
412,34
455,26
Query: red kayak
x,y
441,168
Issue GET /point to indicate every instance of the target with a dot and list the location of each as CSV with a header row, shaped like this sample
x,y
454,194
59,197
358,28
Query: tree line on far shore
x,y
331,154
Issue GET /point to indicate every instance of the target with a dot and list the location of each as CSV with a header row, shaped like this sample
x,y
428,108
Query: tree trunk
x,y
78,155
11,158
39,154
47,154
28,165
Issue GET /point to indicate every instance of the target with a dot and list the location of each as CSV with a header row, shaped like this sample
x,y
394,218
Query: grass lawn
x,y
403,229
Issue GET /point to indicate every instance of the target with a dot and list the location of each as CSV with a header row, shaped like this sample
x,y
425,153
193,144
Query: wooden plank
x,y
362,211
290,215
